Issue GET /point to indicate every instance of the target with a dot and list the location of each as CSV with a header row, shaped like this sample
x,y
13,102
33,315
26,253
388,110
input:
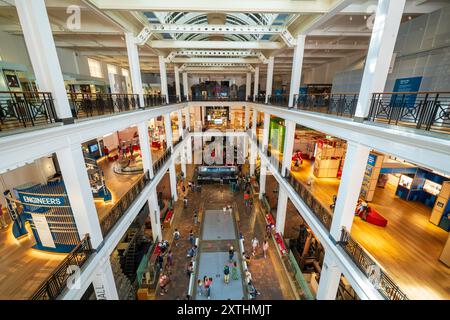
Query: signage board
x,y
44,200
406,85
43,230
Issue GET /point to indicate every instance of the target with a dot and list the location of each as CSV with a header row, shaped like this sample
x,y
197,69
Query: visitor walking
x,y
160,261
185,201
255,244
231,253
189,268
265,248
210,280
163,281
192,251
226,274
176,237
195,217
191,238
200,287
234,271
2,218
248,276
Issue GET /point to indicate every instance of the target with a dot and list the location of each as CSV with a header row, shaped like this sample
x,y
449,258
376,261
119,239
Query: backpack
x,y
176,235
226,270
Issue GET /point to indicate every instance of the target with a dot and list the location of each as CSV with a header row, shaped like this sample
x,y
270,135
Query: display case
x,y
371,175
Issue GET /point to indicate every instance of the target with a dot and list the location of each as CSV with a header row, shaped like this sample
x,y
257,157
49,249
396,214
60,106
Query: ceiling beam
x,y
216,60
173,44
230,6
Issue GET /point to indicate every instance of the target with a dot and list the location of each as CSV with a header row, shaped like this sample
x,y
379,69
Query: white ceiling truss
x,y
147,31
217,54
244,67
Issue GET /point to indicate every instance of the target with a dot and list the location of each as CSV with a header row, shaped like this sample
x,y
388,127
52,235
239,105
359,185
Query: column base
x,y
67,121
359,119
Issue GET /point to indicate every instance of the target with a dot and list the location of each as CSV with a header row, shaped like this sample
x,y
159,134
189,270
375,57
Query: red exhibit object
x,y
375,218
270,219
280,242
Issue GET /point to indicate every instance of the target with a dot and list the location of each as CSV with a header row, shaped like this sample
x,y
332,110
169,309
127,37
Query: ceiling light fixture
x,y
350,18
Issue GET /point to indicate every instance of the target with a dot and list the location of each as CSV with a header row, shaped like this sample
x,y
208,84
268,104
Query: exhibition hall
x,y
249,151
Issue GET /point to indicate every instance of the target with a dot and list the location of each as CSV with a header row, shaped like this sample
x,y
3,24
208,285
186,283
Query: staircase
x,y
125,288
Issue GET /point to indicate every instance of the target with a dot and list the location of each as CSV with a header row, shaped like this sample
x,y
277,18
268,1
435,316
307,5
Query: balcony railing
x,y
154,100
123,204
85,105
216,98
56,282
26,109
420,110
320,211
161,161
382,282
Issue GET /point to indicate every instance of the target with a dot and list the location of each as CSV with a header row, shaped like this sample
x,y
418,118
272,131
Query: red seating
x,y
375,218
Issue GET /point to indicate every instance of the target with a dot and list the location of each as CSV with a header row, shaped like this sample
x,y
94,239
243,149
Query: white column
x,y
384,34
189,150
180,122
183,160
177,82
269,78
349,188
253,158
185,86
168,129
265,138
330,276
262,179
203,115
297,64
144,143
247,117
135,69
155,214
188,117
104,283
281,210
163,75
254,120
173,180
256,84
248,89
76,181
288,146
42,52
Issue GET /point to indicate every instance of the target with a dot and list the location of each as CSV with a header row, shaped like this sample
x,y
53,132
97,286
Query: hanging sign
x,y
44,201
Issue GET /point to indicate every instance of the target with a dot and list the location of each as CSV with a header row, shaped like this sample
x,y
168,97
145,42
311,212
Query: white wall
x,y
36,172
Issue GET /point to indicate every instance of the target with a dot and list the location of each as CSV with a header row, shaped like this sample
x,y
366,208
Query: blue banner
x,y
43,201
406,85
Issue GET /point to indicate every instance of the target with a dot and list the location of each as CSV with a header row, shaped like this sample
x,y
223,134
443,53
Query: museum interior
x,y
298,151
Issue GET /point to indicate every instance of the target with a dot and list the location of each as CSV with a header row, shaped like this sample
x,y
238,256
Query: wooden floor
x,y
118,184
22,268
408,248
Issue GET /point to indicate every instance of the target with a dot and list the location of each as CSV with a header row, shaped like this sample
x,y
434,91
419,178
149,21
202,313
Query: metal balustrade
x,y
85,105
154,100
420,110
121,206
215,98
161,161
379,278
20,109
57,281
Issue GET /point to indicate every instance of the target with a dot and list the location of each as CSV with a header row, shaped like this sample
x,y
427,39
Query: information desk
x,y
217,174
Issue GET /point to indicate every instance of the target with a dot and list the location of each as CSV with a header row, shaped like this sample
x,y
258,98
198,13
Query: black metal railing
x,y
56,282
154,100
216,98
318,208
26,109
382,282
161,161
180,138
85,105
420,110
121,206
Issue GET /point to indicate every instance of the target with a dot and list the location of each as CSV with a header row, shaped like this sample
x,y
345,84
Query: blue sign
x,y
372,159
42,201
406,85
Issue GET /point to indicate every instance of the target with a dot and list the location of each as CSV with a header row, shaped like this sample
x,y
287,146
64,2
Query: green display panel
x,y
277,133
